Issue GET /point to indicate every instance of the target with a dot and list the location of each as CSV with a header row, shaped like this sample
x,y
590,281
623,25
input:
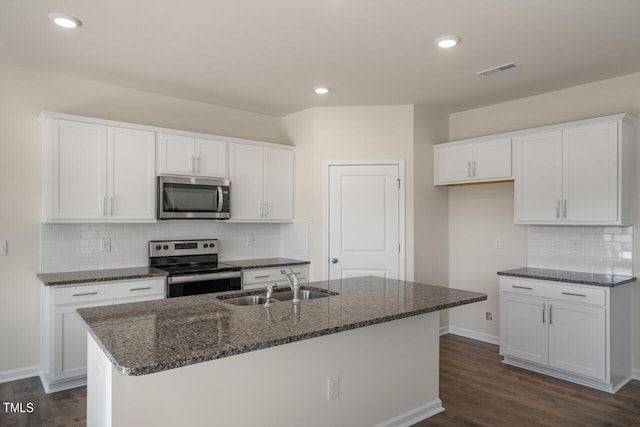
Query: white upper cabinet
x,y
97,173
578,174
472,161
261,182
186,155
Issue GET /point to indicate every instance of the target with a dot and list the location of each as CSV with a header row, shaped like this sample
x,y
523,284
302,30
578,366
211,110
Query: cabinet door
x,y
176,154
70,342
590,174
454,163
76,156
211,158
246,175
523,327
278,184
538,177
492,159
131,174
577,339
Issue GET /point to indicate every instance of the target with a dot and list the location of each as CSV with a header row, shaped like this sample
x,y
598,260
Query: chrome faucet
x,y
293,283
269,293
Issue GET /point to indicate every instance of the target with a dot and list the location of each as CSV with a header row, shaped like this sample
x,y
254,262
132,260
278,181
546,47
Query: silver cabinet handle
x,y
558,208
104,206
112,204
198,164
544,308
468,169
550,314
473,169
140,289
574,295
565,208
522,287
220,198
334,260
266,210
193,164
262,277
85,294
261,207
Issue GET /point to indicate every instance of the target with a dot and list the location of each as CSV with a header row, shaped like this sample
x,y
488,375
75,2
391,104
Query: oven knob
x,y
158,247
211,245
206,246
165,247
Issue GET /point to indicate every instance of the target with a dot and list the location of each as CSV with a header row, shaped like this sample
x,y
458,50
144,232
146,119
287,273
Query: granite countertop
x,y
91,276
593,279
247,264
153,336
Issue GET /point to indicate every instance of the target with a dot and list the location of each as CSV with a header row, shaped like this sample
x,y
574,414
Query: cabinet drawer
x,y
525,287
272,274
137,288
584,295
74,294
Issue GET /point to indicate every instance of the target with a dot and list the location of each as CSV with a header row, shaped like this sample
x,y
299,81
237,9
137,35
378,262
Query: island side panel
x,y
388,375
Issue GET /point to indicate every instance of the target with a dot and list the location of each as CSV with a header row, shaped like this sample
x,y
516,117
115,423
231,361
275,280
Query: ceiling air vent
x,y
504,67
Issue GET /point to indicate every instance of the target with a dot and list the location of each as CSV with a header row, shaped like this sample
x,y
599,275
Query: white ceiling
x,y
267,55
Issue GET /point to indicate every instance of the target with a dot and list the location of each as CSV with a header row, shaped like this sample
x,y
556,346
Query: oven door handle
x,y
202,277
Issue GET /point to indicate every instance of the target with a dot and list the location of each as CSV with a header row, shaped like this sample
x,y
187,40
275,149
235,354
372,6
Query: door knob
x,y
334,260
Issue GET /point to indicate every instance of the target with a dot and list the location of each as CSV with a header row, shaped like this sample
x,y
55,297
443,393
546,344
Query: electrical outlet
x,y
3,247
251,239
576,246
105,244
498,244
555,246
488,316
333,388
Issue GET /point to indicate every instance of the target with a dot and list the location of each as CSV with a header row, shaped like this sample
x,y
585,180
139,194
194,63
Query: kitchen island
x,y
365,355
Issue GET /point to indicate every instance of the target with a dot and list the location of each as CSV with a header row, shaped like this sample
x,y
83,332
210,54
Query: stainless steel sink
x,y
304,294
247,300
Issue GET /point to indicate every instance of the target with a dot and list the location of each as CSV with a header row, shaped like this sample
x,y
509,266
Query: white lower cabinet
x,y
580,333
261,278
63,348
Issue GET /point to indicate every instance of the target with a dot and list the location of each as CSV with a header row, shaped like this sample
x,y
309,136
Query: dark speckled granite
x,y
143,338
605,280
89,276
248,264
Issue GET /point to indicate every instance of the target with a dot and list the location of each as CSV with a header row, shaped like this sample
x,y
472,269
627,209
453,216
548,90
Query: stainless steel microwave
x,y
184,197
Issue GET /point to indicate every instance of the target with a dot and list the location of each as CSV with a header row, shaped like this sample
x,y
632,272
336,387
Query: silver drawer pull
x,y
140,289
262,277
573,295
522,287
85,294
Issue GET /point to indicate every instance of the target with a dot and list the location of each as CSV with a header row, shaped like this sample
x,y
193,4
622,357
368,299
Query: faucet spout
x,y
294,284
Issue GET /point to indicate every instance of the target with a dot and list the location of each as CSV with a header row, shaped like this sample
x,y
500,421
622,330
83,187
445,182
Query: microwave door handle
x,y
220,198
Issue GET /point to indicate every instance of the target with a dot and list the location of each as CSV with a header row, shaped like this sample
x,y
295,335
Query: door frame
x,y
401,209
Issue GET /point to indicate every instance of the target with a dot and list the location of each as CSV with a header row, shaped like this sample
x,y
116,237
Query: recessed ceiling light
x,y
446,42
321,90
64,20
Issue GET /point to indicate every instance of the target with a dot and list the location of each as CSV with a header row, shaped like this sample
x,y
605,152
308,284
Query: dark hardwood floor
x,y
475,387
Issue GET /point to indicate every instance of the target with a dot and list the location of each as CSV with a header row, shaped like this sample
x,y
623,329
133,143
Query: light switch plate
x,y
3,247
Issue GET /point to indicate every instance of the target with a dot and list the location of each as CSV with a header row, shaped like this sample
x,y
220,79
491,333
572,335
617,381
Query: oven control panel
x,y
163,248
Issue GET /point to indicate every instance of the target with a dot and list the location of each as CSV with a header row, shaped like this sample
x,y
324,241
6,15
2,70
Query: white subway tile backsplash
x,y
69,247
604,250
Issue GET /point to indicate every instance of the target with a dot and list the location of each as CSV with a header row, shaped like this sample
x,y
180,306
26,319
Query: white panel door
x,y
364,221
211,158
454,163
524,327
246,175
278,184
492,159
78,162
538,177
131,174
176,154
577,339
590,177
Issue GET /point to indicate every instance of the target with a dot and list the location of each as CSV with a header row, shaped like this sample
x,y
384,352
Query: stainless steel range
x,y
193,267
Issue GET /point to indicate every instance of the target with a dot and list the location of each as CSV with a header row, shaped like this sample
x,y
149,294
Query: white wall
x,y
347,133
478,214
24,94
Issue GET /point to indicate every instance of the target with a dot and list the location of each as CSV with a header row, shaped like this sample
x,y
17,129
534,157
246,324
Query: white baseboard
x,y
19,374
474,335
415,415
444,330
635,374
